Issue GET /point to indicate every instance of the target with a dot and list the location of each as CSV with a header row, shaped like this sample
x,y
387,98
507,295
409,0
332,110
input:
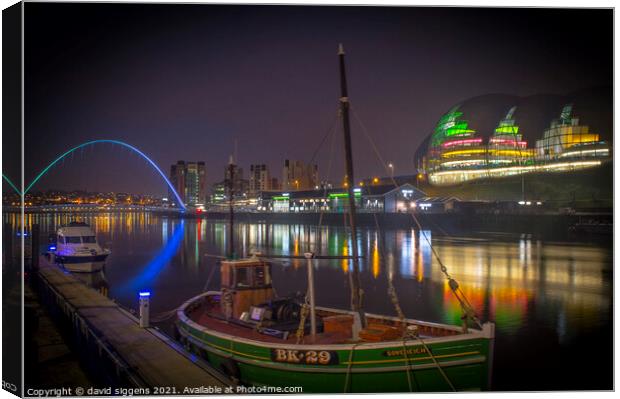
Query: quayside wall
x,y
110,343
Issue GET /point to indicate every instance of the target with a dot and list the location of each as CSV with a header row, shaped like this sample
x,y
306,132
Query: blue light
x,y
51,248
147,276
145,294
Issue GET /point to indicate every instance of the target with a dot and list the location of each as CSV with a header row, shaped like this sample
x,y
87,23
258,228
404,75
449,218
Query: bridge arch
x,y
6,179
134,149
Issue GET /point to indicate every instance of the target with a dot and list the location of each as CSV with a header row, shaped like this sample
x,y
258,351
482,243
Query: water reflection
x,y
568,285
546,298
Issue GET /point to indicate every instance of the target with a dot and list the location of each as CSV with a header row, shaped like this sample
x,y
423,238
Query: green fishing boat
x,y
259,339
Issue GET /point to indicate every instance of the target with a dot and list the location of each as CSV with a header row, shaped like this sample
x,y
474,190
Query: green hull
x,y
464,362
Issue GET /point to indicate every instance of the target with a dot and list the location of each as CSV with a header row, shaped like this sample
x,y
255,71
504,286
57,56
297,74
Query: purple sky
x,y
182,82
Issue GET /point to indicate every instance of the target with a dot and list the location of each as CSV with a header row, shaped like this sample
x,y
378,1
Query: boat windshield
x,y
88,239
72,240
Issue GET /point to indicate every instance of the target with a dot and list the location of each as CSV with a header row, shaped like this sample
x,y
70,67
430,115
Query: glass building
x,y
457,153
566,139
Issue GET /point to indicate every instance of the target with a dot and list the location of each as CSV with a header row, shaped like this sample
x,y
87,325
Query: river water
x,y
551,301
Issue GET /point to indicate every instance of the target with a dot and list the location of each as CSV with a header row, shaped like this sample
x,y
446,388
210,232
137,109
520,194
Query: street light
x,y
391,166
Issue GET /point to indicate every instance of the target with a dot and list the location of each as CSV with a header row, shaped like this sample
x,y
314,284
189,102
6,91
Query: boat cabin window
x,y
88,239
248,277
73,240
243,277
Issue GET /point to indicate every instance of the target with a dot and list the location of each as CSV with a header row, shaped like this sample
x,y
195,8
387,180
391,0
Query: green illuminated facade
x,y
457,153
454,143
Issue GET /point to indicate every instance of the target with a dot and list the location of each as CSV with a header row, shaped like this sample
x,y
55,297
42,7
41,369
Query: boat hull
x,y
464,361
86,264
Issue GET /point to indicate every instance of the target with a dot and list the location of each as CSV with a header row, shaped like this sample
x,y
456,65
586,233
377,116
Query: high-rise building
x,y
259,178
296,175
177,178
189,180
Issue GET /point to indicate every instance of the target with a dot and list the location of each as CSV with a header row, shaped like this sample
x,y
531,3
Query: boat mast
x,y
231,191
354,276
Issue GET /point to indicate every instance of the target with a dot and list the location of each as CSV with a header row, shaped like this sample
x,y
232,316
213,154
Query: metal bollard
x,y
144,309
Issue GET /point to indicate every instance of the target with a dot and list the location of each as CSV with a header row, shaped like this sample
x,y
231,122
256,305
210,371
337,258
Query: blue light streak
x,y
145,279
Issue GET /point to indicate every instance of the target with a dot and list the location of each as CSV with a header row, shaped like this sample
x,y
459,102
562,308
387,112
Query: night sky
x,y
183,81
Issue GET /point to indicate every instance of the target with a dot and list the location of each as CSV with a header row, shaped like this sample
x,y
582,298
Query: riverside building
x,y
458,153
297,175
189,180
384,198
260,180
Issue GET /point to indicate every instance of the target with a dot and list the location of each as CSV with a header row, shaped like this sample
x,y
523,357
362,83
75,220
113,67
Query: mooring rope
x,y
349,367
416,335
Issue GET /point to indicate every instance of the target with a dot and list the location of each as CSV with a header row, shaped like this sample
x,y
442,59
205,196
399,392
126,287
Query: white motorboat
x,y
77,249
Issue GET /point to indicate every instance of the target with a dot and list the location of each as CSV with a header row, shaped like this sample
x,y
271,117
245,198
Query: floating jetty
x,y
121,352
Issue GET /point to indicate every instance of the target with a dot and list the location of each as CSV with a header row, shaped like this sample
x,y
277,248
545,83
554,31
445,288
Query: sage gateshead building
x,y
457,152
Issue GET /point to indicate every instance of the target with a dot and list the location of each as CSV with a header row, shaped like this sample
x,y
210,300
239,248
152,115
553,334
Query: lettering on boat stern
x,y
399,352
304,357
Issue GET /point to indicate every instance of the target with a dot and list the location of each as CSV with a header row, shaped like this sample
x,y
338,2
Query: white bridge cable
x,y
454,286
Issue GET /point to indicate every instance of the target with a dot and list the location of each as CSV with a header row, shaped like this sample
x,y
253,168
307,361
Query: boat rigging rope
x,y
332,136
391,289
414,334
305,309
206,286
409,370
467,309
399,311
327,134
349,367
